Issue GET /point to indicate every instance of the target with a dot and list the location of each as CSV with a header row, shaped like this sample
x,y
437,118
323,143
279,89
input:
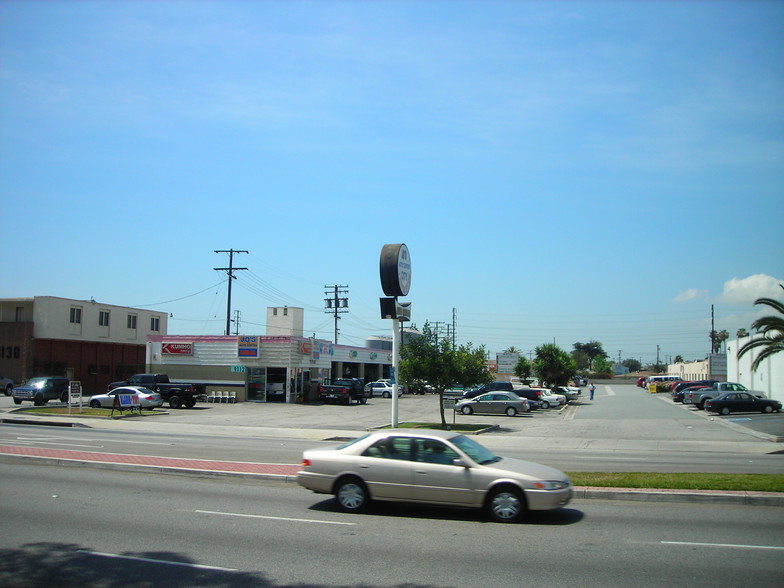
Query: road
x,y
74,527
283,450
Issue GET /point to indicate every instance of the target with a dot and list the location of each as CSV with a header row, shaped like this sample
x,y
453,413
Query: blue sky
x,y
560,171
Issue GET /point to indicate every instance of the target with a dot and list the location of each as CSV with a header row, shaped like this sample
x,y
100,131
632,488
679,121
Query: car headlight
x,y
551,485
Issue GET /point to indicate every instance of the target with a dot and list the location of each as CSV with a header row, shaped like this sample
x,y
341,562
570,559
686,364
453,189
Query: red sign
x,y
177,349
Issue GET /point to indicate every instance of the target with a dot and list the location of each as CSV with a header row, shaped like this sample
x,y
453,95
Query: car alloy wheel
x,y
467,410
510,411
506,505
768,408
725,411
351,495
95,404
545,404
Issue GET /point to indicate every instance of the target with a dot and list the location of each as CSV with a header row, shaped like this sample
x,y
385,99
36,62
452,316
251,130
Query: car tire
x,y
39,400
351,495
9,390
64,397
363,400
506,504
768,409
725,410
386,395
17,401
545,404
511,411
467,410
175,402
189,402
95,404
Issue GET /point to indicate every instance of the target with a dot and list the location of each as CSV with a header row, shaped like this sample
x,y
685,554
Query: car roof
x,y
415,433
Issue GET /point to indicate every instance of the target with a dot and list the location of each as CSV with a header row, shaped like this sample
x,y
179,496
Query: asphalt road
x,y
74,527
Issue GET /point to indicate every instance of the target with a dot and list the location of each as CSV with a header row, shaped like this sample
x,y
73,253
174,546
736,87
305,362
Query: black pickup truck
x,y
343,390
175,393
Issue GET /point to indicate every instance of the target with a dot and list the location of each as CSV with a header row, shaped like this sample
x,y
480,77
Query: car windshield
x,y
36,382
478,453
350,443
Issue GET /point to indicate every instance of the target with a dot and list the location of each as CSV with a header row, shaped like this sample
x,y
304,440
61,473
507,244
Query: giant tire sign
x,y
395,269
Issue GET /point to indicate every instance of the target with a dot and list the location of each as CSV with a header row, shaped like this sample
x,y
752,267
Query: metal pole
x,y
395,368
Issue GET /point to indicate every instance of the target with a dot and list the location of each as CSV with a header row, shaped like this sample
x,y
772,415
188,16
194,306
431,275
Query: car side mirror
x,y
461,462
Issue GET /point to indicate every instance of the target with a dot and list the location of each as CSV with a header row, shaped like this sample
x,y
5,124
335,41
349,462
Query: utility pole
x,y
229,272
337,304
454,320
236,322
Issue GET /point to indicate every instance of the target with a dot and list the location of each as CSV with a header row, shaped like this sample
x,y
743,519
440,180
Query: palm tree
x,y
772,330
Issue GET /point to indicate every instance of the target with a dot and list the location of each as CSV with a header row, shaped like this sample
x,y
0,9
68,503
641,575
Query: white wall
x,y
768,378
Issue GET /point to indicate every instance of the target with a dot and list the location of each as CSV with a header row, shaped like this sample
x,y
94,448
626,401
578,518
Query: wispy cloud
x,y
690,294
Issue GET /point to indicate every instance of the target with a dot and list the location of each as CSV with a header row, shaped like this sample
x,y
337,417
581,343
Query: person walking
x,y
591,388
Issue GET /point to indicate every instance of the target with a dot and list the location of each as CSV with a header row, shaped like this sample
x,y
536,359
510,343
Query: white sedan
x,y
383,389
147,398
549,399
432,467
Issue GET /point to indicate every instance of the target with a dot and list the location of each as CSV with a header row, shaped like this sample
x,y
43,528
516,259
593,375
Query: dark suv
x,y
42,390
491,387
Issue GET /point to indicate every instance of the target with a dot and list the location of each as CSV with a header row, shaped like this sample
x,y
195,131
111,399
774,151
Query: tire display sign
x,y
177,349
395,268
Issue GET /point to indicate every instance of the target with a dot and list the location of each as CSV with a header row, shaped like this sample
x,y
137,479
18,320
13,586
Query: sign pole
x,y
395,368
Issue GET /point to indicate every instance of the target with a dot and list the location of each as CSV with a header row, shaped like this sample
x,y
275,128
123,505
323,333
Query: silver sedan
x,y
432,467
507,403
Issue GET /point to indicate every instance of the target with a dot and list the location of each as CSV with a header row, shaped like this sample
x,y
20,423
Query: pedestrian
x,y
592,388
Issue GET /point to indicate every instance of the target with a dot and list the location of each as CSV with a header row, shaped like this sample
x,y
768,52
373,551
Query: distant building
x,y
85,340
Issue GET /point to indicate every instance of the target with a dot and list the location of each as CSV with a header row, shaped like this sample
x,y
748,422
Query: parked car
x,y
692,394
741,402
580,381
41,390
147,398
533,395
490,387
7,385
381,388
570,392
549,399
720,388
641,381
432,467
507,403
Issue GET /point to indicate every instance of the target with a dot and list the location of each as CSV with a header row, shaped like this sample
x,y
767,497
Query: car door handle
x,y
422,472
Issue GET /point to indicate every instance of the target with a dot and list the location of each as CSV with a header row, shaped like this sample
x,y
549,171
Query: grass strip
x,y
680,481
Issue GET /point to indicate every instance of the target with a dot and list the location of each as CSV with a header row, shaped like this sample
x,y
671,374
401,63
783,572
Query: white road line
x,y
730,545
160,561
251,516
24,442
610,391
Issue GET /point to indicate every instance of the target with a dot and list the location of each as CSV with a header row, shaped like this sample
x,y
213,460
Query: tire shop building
x,y
281,366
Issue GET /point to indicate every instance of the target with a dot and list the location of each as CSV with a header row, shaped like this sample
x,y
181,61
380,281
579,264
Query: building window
x,y
131,321
103,318
19,314
155,324
274,312
76,315
285,311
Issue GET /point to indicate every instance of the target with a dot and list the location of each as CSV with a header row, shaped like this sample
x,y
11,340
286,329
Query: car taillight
x,y
305,463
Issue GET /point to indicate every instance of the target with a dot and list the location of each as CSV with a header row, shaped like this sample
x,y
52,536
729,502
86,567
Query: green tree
x,y
602,365
592,349
678,359
553,366
741,333
523,369
771,329
441,364
632,364
581,360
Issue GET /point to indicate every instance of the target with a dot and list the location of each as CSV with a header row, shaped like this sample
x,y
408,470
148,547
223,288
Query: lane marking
x,y
610,391
160,561
293,520
730,545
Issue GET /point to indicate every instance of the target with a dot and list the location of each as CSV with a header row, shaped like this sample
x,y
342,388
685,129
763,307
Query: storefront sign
x,y
238,369
248,346
177,349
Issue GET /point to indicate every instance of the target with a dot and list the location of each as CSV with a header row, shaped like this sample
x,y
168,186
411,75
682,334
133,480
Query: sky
x,y
560,171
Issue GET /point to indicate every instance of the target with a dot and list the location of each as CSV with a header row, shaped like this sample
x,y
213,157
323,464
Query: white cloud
x,y
747,290
690,294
